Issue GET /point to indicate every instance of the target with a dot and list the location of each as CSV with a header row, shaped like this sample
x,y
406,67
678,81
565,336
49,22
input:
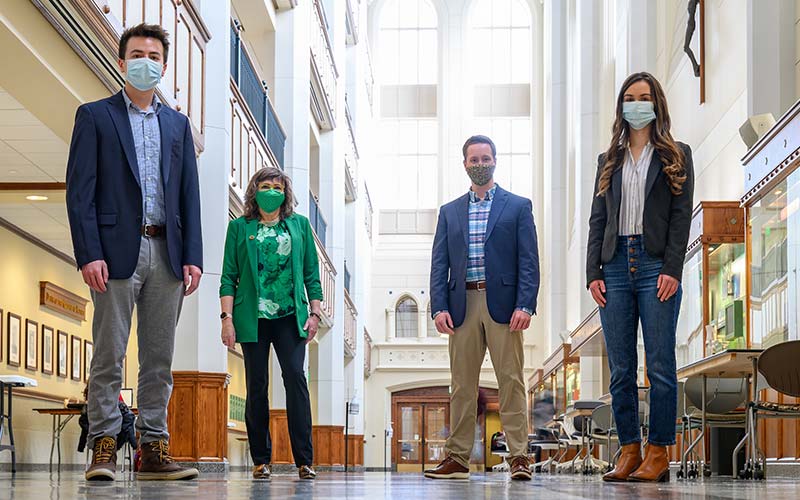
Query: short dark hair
x,y
146,31
478,139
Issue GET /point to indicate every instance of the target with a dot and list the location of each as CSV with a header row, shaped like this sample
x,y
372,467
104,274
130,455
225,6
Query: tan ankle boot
x,y
629,460
654,468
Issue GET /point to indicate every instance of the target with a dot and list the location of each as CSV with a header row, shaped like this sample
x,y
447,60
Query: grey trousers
x,y
158,297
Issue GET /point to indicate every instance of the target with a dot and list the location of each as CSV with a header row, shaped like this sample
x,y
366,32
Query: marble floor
x,y
376,485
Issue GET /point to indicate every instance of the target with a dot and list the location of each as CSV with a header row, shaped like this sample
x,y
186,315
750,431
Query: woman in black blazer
x,y
638,231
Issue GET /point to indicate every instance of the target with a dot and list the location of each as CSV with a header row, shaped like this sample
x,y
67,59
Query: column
x,y
198,409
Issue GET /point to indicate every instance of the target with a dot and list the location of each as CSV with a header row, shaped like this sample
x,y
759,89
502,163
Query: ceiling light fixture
x,y
36,197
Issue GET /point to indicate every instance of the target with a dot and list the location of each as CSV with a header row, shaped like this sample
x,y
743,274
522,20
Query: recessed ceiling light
x,y
36,197
12,172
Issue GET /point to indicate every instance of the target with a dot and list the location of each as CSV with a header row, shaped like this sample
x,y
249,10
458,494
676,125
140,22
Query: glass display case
x,y
772,200
556,369
713,312
573,382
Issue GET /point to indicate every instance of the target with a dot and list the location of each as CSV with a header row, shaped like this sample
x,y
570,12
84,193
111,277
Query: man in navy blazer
x,y
484,285
133,202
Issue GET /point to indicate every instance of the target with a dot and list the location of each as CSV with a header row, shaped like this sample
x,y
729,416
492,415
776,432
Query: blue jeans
x,y
631,280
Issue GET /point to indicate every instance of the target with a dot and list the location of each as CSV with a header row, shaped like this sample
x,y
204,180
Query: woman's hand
x,y
228,333
311,326
667,286
598,290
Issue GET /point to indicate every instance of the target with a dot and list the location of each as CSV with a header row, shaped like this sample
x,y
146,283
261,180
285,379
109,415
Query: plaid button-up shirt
x,y
478,220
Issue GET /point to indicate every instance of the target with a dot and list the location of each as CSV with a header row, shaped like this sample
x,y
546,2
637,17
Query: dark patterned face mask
x,y
481,173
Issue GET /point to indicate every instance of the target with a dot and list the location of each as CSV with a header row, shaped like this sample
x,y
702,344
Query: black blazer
x,y
104,197
665,223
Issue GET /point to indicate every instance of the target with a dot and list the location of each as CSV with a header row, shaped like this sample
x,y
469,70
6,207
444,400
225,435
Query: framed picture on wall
x,y
14,339
47,350
76,358
31,345
61,354
88,352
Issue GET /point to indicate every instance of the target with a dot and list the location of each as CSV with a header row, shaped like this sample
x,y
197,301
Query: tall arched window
x,y
500,36
408,75
406,318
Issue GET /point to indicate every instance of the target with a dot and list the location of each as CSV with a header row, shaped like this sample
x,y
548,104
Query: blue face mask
x,y
143,73
638,114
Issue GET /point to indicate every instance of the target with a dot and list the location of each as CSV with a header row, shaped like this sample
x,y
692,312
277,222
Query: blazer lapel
x,y
652,173
616,186
463,217
498,204
250,233
165,126
119,115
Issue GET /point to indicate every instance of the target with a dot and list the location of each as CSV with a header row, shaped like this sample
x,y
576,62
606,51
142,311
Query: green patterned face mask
x,y
481,173
270,200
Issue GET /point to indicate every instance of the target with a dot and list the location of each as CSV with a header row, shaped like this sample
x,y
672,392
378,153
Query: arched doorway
x,y
421,425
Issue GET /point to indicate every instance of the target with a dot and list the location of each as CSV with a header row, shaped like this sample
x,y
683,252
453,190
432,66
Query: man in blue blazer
x,y
484,284
133,202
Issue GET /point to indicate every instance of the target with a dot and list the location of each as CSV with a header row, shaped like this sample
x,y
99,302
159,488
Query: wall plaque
x,y
62,301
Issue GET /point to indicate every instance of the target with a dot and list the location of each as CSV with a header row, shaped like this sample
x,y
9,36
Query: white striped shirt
x,y
634,180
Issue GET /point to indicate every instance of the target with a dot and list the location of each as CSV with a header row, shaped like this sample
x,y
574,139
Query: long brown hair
x,y
268,174
660,137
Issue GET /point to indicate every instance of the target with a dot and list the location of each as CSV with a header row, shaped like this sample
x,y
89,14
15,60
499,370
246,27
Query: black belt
x,y
476,285
152,231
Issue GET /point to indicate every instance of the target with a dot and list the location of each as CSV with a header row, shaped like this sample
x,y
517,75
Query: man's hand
x,y
520,321
191,278
598,290
444,323
667,286
95,274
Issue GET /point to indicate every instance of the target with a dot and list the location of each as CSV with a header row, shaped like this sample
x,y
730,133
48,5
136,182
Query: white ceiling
x,y
31,152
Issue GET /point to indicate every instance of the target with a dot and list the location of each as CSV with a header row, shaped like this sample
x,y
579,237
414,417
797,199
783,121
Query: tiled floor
x,y
376,485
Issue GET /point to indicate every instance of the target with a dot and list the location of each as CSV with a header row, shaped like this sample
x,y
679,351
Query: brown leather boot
x,y
629,460
158,465
448,469
104,460
655,468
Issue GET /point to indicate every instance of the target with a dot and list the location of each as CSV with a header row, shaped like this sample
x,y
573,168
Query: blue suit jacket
x,y
511,257
104,197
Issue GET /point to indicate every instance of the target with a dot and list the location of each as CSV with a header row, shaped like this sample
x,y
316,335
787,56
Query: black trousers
x,y
290,349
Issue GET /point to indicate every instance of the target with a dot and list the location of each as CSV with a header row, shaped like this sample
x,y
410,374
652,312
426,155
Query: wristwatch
x,y
225,316
312,313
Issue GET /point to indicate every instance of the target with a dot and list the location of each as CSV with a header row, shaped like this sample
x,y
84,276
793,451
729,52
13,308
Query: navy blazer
x,y
104,197
511,258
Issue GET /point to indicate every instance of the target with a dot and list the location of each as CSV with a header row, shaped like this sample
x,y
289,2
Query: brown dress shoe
x,y
306,472
448,469
104,460
655,468
629,460
520,468
263,472
157,465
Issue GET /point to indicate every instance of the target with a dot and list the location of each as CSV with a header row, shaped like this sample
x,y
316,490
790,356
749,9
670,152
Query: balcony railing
x,y
316,218
352,23
327,275
368,212
351,156
347,277
369,78
350,325
255,93
367,354
324,72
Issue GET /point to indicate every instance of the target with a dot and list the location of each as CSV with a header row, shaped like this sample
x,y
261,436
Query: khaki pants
x,y
467,349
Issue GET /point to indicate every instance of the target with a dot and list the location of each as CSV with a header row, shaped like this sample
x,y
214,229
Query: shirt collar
x,y
155,105
473,198
645,151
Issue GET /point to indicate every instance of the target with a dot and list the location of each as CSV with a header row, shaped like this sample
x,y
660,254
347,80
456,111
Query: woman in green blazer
x,y
270,278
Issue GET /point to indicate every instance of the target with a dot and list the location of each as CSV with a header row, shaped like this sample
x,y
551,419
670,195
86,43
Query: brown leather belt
x,y
154,231
476,285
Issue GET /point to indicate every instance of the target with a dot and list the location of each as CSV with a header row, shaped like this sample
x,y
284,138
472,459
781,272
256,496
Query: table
x,y
60,424
7,384
731,363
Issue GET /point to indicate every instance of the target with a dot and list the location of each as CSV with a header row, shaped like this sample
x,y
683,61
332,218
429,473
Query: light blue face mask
x,y
638,114
143,73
